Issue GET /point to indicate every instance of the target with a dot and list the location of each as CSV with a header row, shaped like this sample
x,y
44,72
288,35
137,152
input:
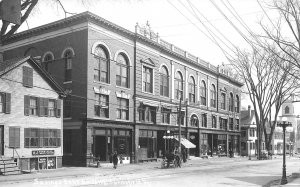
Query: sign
x,y
43,152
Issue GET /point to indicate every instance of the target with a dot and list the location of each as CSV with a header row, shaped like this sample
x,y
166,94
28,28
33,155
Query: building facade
x,y
30,115
124,90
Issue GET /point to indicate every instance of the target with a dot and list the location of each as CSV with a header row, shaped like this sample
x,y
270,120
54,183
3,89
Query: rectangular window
x,y
214,121
14,137
203,96
223,123
148,114
178,89
5,103
68,69
34,137
237,124
204,120
164,85
182,116
122,75
147,79
33,106
122,111
165,115
101,105
223,100
27,77
230,123
51,108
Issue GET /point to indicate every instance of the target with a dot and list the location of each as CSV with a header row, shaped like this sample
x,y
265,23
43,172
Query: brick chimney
x,y
249,110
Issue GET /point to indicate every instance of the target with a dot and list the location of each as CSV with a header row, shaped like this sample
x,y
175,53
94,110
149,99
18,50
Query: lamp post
x,y
284,124
249,153
290,148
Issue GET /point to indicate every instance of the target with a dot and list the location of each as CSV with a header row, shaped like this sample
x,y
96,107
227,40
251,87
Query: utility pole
x,y
179,123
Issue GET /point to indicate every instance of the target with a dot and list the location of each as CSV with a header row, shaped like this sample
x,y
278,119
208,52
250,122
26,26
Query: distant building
x,y
125,87
30,115
248,133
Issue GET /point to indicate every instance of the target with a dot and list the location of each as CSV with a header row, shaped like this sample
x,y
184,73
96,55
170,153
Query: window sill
x,y
67,118
67,82
125,120
104,118
166,97
150,93
98,82
121,87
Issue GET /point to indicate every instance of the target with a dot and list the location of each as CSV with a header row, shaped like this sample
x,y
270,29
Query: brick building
x,y
124,90
30,115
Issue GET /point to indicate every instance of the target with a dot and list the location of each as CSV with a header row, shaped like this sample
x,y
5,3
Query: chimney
x,y
249,110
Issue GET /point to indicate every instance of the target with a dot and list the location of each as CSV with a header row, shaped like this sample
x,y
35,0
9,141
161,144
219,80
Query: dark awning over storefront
x,y
186,143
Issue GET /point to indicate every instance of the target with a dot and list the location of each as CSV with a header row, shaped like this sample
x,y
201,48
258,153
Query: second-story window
x,y
101,65
165,115
5,103
223,123
230,106
192,90
147,114
122,111
237,124
101,105
204,120
203,93
51,108
33,106
178,86
230,123
214,121
164,82
147,79
1,103
223,100
213,95
68,56
122,78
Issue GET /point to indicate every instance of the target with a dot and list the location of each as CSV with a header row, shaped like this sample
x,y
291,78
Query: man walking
x,y
115,159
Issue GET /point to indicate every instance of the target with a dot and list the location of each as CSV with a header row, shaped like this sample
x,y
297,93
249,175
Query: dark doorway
x,y
161,146
100,147
194,138
1,140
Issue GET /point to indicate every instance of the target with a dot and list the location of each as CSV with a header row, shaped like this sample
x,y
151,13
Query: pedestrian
x,y
183,155
230,153
115,159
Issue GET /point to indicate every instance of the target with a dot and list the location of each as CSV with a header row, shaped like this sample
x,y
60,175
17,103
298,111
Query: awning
x,y
186,143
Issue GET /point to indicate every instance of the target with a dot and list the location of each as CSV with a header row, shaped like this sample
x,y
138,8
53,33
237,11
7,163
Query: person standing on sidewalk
x,y
115,159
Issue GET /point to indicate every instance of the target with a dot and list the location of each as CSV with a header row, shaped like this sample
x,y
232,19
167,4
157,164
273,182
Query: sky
x,y
180,22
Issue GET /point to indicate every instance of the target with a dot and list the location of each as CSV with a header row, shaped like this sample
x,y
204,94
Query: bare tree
x,y
285,31
268,86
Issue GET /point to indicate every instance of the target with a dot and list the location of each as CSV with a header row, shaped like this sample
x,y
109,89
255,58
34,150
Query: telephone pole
x,y
179,123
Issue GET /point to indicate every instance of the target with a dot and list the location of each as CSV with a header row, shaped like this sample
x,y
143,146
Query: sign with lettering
x,y
43,152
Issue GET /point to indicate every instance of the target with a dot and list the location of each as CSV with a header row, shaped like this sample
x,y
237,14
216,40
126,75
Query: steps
x,y
8,166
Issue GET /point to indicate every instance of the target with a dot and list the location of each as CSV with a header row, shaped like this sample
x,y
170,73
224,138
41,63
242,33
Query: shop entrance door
x,y
100,148
1,140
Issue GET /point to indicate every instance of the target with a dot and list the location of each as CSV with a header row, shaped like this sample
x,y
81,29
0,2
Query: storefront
x,y
108,140
147,148
213,144
40,160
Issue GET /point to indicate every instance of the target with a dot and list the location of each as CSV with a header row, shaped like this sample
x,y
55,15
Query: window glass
x,y
122,71
164,82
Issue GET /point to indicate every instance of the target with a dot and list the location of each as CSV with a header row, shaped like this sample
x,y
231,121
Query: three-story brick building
x,y
124,90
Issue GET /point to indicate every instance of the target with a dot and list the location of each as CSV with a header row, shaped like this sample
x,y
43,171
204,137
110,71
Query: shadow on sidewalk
x,y
258,180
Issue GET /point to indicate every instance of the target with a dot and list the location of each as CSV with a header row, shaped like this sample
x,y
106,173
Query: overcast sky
x,y
174,20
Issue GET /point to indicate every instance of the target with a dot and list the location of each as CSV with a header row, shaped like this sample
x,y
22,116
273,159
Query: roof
x,y
11,64
245,117
91,17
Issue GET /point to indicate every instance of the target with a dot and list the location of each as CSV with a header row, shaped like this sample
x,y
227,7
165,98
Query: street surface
x,y
198,172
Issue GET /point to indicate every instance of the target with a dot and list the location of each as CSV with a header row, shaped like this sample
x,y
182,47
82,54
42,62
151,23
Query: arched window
x,y
47,59
237,104
192,94
213,94
223,100
203,93
101,65
194,121
287,110
164,82
231,102
68,56
178,86
122,78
